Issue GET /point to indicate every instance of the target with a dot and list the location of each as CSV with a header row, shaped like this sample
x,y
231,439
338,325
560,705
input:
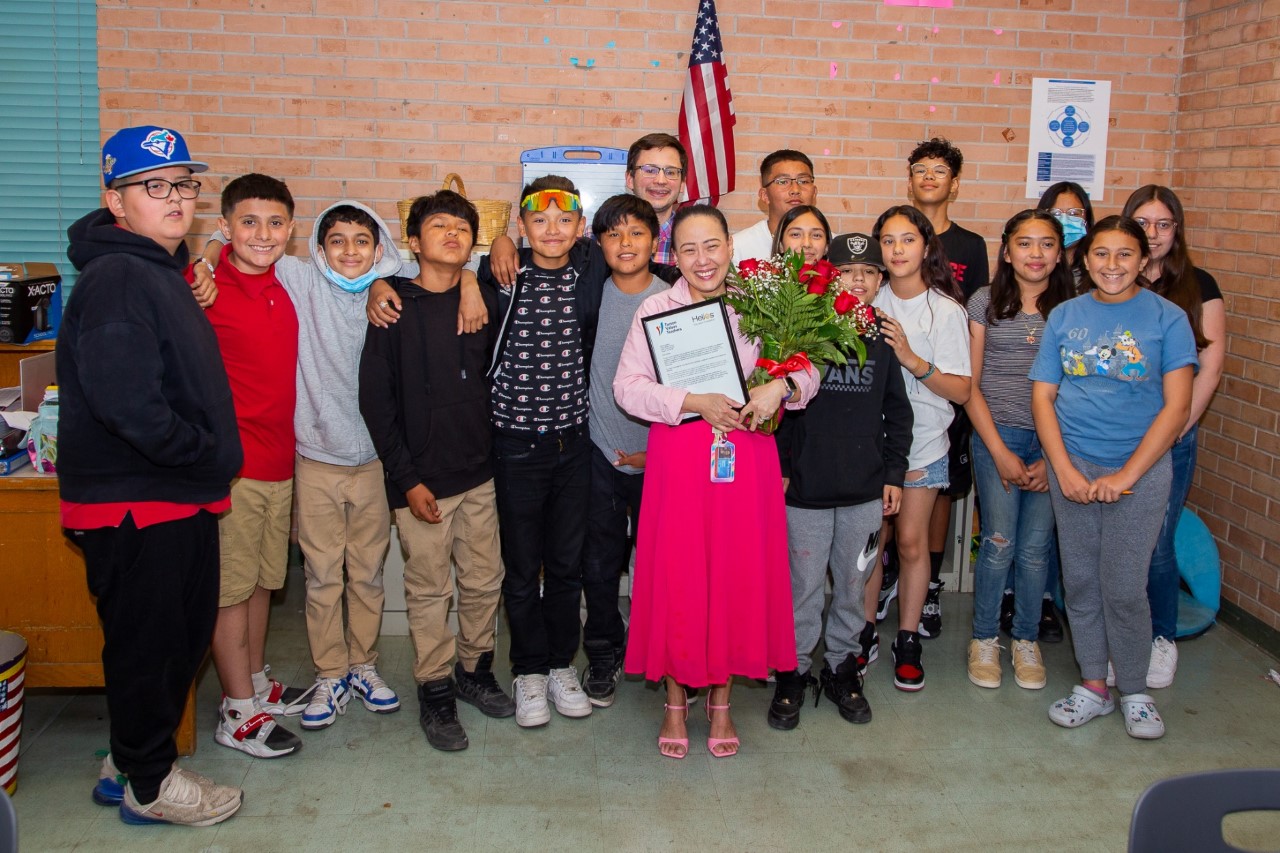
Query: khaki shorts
x,y
254,538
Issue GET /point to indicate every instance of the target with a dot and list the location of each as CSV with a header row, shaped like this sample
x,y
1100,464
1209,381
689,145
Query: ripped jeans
x,y
1017,531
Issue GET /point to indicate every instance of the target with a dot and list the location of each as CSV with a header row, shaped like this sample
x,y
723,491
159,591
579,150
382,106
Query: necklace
x,y
1032,331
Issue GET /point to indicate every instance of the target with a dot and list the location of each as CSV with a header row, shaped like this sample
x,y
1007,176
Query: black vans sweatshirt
x,y
145,410
853,438
424,394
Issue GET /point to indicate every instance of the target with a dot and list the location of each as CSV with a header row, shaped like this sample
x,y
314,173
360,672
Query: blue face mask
x,y
352,285
1073,228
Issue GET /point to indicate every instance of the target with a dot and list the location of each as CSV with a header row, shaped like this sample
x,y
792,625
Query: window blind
x,y
49,142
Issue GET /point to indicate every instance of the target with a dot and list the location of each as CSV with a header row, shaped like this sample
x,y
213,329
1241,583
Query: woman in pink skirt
x,y
711,593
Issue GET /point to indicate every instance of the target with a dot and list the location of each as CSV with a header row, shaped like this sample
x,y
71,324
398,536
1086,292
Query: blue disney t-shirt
x,y
1108,361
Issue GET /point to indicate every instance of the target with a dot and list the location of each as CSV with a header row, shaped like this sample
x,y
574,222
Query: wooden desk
x,y
11,354
44,596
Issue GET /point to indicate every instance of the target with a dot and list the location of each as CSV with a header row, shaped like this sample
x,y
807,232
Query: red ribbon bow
x,y
799,361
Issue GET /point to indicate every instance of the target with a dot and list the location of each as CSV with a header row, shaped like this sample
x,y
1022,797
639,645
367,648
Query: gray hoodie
x,y
331,330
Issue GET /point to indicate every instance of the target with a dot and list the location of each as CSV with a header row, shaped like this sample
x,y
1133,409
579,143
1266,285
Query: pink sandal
x,y
713,742
675,741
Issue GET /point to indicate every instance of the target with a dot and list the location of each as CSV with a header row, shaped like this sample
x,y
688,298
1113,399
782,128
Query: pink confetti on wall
x,y
933,4
837,24
996,79
933,79
897,76
826,151
935,31
933,109
835,70
998,31
899,27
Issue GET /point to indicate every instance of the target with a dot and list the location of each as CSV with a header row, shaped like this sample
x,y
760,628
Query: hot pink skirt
x,y
711,594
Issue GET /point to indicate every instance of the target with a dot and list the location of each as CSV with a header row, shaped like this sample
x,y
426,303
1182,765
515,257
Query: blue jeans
x,y
1017,530
1162,577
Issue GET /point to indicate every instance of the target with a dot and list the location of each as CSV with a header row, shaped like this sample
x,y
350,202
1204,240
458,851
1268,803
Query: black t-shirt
x,y
542,385
967,253
1209,289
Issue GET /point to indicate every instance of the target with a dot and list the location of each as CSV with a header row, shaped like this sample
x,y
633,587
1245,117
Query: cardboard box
x,y
30,302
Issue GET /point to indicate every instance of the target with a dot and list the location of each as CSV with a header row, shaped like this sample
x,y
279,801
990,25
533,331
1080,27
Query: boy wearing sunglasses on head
x,y
542,443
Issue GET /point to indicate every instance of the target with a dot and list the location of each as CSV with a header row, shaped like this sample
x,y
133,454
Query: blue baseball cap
x,y
141,149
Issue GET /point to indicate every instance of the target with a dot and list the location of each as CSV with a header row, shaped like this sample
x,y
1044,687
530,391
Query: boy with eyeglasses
x,y
542,444
786,180
148,449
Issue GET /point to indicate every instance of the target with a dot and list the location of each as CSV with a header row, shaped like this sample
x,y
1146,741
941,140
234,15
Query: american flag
x,y
706,113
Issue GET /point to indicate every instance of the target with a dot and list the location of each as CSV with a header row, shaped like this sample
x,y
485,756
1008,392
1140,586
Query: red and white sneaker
x,y
254,732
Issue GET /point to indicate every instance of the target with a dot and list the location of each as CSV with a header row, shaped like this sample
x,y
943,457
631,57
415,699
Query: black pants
x,y
157,591
542,487
607,551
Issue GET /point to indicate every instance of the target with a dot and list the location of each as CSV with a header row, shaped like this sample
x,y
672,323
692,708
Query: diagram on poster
x,y
1069,120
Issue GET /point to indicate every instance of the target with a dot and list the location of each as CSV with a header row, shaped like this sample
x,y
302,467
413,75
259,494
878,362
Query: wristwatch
x,y
792,388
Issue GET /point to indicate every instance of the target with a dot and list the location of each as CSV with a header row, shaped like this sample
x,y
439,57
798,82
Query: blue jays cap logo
x,y
160,142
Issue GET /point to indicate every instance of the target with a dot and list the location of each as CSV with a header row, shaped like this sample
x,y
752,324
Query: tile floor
x,y
953,768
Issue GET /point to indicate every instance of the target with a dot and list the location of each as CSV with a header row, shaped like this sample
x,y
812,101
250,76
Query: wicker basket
x,y
494,215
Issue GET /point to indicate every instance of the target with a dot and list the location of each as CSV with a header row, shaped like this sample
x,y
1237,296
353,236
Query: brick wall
x,y
382,106
1225,171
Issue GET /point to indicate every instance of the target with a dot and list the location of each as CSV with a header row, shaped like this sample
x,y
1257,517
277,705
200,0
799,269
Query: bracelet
x,y
208,265
928,372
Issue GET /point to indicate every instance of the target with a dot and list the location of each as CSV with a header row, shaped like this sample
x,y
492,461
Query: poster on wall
x,y
1069,120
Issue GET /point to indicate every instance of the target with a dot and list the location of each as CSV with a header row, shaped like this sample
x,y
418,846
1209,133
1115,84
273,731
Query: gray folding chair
x,y
8,824
1186,812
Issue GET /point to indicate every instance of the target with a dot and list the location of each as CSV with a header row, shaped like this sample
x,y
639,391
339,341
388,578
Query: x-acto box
x,y
30,302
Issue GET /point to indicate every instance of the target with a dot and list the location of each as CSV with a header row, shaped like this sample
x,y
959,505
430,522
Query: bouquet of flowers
x,y
796,314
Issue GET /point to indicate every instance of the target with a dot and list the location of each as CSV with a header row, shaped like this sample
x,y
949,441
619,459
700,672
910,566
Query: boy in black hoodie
x,y
843,459
424,396
148,447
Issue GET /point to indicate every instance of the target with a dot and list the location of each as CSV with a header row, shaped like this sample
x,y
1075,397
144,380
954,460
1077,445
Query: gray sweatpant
x,y
1105,550
847,539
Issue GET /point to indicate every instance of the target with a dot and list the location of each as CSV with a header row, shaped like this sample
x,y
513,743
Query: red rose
x,y
749,267
818,276
817,286
844,302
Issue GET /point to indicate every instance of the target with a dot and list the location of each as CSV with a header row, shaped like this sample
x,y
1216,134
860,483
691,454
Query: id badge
x,y
723,459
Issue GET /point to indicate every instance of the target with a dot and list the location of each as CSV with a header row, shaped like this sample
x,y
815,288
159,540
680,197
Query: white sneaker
x,y
567,694
1164,663
328,701
186,799
372,690
530,693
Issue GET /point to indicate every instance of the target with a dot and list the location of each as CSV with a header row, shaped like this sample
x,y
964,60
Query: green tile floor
x,y
953,768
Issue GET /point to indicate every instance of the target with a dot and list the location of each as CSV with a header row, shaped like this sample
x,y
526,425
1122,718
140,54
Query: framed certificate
x,y
693,348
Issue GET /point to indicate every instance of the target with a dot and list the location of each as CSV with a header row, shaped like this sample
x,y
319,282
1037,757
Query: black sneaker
x,y
908,672
888,590
604,669
438,714
1050,624
481,689
1006,612
843,686
931,613
869,641
788,697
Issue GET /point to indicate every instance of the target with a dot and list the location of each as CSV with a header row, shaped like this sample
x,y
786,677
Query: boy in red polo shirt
x,y
257,331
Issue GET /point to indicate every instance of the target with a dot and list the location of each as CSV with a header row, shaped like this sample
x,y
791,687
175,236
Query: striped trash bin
x,y
13,665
